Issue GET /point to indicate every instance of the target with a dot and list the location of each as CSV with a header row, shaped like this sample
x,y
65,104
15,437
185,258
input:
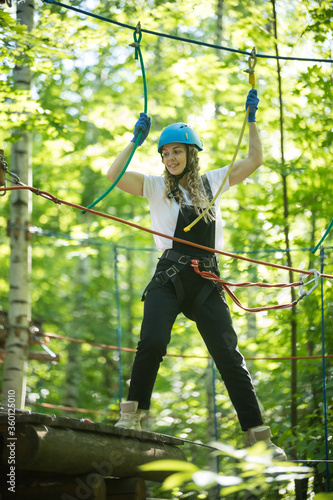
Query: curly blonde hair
x,y
196,189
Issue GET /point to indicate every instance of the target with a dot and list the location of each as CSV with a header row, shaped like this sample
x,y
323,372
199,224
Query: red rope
x,y
151,231
67,408
213,277
127,349
79,341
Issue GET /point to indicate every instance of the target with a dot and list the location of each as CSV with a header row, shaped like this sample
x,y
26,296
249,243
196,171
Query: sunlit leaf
x,y
176,480
169,465
206,478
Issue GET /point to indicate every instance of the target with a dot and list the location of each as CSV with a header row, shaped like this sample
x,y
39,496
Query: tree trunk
x,y
17,344
293,321
74,349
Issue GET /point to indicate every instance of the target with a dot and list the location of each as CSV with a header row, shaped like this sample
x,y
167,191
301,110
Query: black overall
x,y
165,298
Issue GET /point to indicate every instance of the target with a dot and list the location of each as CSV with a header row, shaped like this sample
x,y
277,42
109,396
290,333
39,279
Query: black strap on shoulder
x,y
209,193
207,187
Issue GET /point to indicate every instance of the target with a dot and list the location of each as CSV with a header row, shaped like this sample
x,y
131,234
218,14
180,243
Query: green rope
x,y
138,54
323,237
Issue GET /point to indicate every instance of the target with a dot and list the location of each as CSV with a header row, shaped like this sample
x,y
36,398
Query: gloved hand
x,y
143,124
252,102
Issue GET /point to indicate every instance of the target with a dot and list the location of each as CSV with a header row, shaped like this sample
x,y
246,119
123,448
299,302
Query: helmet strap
x,y
180,176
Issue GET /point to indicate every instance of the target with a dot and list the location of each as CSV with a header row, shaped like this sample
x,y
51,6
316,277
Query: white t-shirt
x,y
164,213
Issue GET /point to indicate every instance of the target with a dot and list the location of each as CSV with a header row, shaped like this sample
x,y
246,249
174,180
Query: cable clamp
x,y
137,35
252,61
315,279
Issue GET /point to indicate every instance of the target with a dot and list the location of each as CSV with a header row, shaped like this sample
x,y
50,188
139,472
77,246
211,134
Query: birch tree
x,y
17,343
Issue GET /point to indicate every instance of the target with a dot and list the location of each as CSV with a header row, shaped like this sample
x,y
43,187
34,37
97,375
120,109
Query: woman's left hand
x,y
252,102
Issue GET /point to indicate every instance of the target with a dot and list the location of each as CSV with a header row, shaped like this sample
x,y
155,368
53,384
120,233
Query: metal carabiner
x,y
252,61
15,177
316,277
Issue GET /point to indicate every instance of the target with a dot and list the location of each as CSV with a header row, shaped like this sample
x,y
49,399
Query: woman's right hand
x,y
142,124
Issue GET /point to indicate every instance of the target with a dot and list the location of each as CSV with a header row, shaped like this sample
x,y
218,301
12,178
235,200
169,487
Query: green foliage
x,y
251,471
86,96
323,496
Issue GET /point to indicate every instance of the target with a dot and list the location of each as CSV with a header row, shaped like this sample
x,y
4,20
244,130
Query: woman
x,y
175,201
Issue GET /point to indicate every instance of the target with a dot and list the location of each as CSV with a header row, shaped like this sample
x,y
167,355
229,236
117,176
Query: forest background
x,y
88,273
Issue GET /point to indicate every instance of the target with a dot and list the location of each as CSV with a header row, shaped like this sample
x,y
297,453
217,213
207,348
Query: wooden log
x,y
123,496
67,451
125,489
87,487
81,425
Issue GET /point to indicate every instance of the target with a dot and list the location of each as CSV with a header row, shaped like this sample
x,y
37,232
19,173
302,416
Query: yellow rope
x,y
252,80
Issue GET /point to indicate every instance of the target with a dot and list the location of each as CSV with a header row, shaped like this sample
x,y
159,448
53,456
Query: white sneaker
x,y
263,433
129,418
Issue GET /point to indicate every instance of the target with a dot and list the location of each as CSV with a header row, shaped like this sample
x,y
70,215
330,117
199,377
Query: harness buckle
x,y
210,262
171,272
207,263
183,260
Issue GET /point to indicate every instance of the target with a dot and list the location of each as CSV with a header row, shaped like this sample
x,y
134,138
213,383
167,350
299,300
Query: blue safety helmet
x,y
179,132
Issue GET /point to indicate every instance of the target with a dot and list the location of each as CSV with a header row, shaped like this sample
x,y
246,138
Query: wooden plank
x,y
41,356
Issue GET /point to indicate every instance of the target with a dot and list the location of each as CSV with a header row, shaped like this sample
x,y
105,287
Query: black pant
x,y
215,326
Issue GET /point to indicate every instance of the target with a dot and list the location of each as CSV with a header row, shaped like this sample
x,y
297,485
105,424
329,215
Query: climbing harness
x,y
179,259
137,35
179,262
251,63
226,284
